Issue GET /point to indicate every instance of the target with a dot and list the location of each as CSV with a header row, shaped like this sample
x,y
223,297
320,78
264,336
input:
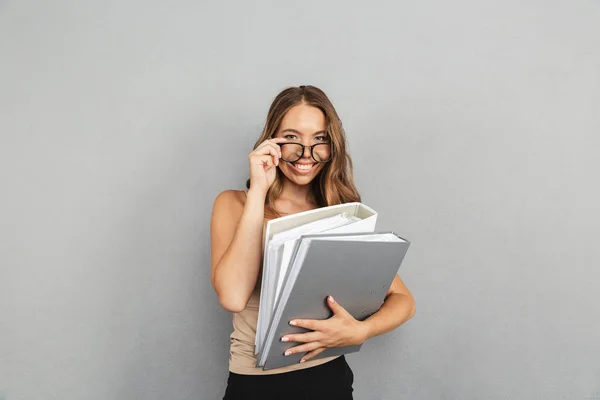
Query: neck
x,y
297,193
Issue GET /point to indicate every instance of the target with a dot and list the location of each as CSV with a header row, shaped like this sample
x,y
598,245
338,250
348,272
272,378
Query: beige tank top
x,y
241,352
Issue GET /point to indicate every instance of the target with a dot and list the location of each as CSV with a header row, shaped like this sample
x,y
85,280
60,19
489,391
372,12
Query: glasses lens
x,y
291,152
322,152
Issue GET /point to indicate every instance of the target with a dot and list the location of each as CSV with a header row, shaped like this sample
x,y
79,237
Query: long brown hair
x,y
335,183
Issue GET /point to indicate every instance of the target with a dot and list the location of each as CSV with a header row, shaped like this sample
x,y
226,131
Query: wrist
x,y
257,193
362,332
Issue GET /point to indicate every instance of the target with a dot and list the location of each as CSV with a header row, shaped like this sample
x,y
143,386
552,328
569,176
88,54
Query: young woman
x,y
299,163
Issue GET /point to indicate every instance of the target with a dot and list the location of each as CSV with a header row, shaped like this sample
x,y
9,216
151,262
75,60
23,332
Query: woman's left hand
x,y
342,329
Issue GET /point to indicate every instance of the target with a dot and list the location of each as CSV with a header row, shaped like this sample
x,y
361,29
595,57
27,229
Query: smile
x,y
302,168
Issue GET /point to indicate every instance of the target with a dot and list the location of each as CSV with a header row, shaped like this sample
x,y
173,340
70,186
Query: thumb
x,y
335,306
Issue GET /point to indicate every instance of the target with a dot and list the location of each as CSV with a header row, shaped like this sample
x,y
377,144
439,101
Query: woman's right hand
x,y
263,164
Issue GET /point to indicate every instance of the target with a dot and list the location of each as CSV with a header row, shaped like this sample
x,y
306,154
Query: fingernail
x,y
284,339
331,299
293,323
301,361
287,353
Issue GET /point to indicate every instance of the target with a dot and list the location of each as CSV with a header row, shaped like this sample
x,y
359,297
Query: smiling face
x,y
306,125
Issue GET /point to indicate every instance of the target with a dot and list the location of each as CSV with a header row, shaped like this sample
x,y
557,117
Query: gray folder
x,y
357,274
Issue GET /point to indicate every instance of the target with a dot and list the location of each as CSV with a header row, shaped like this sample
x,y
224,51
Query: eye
x,y
321,138
289,137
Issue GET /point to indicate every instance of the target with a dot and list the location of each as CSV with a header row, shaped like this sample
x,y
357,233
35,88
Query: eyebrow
x,y
300,133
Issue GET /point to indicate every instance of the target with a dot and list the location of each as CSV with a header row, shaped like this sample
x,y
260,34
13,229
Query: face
x,y
306,125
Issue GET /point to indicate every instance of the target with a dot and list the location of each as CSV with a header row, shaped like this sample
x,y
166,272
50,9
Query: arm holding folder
x,y
353,266
344,330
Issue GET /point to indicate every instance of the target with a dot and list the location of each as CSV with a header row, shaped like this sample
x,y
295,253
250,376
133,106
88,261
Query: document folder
x,y
277,256
357,269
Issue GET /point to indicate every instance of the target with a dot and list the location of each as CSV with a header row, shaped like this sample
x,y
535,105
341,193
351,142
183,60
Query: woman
x,y
298,164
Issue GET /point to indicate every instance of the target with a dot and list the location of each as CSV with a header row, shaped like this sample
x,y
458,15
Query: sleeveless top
x,y
242,359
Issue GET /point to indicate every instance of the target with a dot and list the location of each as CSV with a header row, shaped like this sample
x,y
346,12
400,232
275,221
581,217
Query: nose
x,y
306,152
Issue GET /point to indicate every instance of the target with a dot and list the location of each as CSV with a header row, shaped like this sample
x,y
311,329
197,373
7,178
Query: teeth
x,y
304,167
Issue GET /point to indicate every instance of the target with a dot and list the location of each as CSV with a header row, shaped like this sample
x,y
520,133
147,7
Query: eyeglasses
x,y
292,152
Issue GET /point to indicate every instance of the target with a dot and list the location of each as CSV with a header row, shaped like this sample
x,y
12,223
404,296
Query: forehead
x,y
304,118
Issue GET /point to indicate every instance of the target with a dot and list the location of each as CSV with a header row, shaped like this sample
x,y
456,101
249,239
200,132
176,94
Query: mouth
x,y
303,168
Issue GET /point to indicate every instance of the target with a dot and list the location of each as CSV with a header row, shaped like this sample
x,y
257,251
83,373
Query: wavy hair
x,y
335,182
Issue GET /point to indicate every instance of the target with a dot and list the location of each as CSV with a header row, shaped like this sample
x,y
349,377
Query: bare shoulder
x,y
229,204
231,198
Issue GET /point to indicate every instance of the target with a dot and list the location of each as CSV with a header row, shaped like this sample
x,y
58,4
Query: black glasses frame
x,y
312,148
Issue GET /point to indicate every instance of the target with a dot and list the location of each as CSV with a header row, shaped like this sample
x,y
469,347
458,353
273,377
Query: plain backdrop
x,y
475,131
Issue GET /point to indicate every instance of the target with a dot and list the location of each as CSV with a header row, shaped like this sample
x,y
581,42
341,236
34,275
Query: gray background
x,y
474,126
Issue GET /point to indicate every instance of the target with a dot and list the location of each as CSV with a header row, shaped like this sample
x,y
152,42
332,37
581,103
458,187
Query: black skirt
x,y
332,381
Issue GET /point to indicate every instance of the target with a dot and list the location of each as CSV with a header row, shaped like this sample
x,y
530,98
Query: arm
x,y
236,230
398,307
342,329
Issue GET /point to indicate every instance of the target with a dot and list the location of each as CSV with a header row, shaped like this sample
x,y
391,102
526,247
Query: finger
x,y
276,140
312,324
312,354
303,348
264,161
335,306
270,143
274,151
267,144
261,159
303,337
